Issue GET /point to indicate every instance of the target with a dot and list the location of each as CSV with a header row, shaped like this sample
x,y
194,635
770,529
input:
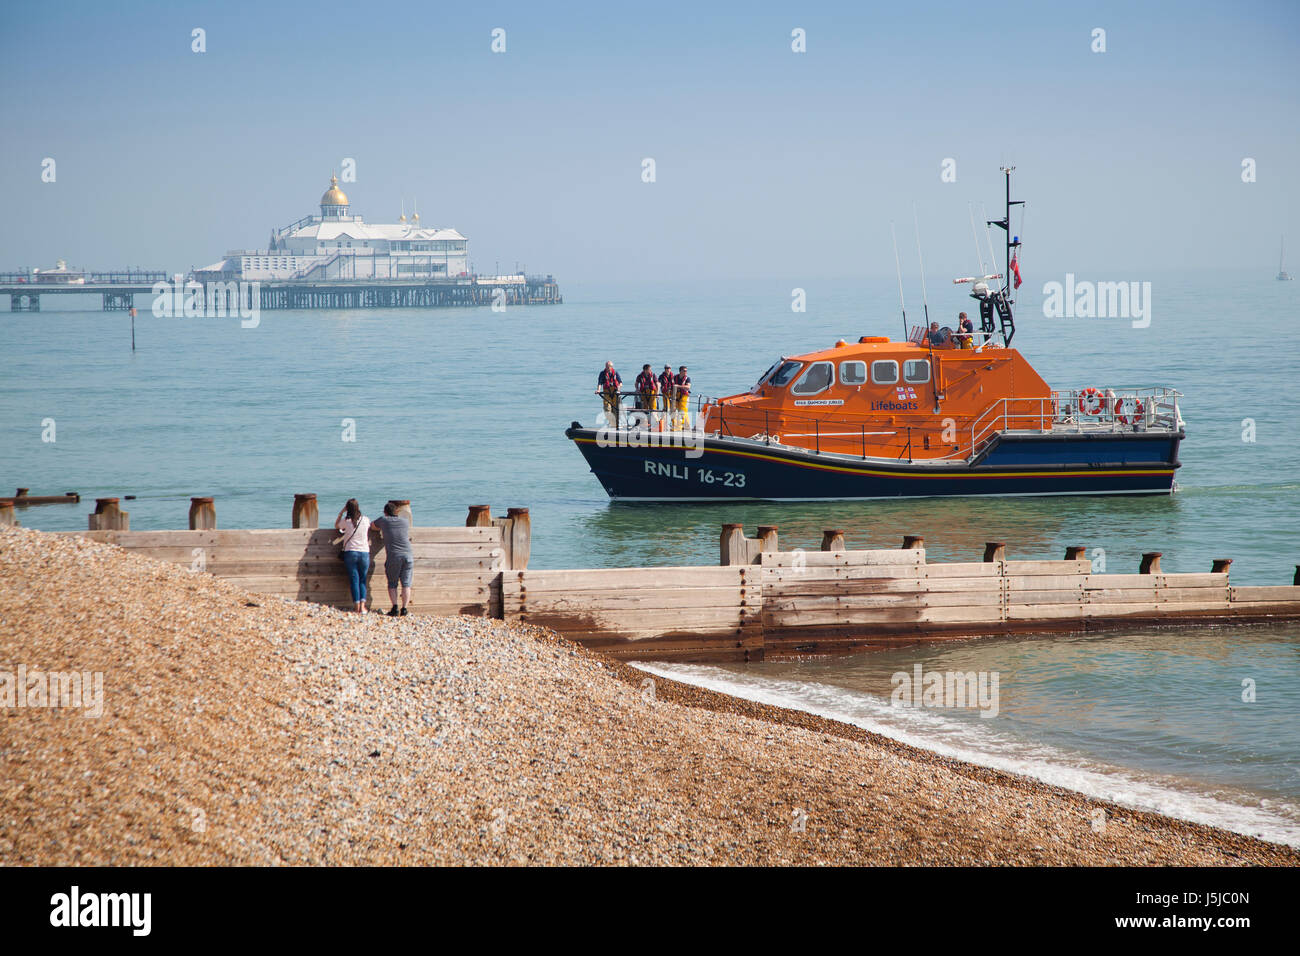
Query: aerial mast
x,y
1004,300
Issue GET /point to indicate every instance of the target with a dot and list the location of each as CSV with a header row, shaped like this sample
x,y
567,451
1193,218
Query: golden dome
x,y
334,196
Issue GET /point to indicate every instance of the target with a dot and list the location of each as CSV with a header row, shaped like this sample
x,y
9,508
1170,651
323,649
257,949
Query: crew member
x,y
965,332
682,387
607,386
939,338
667,390
647,390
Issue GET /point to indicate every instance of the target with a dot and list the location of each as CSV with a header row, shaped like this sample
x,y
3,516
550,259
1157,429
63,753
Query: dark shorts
x,y
399,569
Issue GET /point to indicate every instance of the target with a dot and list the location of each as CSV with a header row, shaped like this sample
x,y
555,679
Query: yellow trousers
x,y
683,418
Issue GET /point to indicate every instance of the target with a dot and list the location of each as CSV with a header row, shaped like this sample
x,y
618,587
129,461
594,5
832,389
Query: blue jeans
x,y
357,564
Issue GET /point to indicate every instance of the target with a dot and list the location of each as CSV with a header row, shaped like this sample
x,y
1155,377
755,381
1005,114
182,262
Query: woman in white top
x,y
355,528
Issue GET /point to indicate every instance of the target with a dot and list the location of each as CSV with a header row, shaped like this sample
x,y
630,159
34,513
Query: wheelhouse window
x,y
768,374
884,372
916,371
783,376
818,378
853,373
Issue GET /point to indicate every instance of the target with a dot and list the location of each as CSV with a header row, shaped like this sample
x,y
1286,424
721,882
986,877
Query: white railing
x,y
1150,408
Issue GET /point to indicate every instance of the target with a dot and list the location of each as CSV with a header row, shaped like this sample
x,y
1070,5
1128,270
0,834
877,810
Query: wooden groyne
x,y
22,498
457,570
758,601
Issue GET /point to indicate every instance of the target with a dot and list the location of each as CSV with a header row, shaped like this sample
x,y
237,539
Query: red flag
x,y
1015,269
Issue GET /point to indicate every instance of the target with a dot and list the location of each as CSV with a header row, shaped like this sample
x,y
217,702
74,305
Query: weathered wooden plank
x,y
1055,596
610,579
324,567
796,603
1272,593
962,614
963,569
641,598
1045,582
1104,581
822,559
1081,566
686,619
696,637
1045,612
883,572
869,617
1155,595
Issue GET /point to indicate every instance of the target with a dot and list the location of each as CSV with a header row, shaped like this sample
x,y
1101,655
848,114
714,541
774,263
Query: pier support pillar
x,y
1220,565
767,539
832,539
7,513
480,516
1076,552
1150,563
203,514
995,551
306,514
109,516
911,541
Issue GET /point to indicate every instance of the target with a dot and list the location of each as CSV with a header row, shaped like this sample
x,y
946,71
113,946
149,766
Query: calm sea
x,y
459,407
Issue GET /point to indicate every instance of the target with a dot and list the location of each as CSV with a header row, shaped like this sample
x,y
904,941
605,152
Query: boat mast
x,y
1003,300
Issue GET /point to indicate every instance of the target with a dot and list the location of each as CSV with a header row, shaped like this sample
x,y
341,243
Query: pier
x,y
758,601
117,291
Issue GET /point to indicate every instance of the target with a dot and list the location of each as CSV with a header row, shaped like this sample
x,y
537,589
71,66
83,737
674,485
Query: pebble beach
x,y
240,729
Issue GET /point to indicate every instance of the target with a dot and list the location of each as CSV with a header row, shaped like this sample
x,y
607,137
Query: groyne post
x,y
731,545
7,513
995,551
767,539
403,508
520,533
1220,565
480,516
1150,563
203,514
832,539
108,516
911,541
1076,552
306,514
1296,580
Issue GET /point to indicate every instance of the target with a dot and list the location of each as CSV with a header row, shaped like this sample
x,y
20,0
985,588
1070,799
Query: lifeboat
x,y
942,413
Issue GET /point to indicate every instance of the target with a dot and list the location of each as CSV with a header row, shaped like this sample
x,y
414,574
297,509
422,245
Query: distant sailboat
x,y
1282,274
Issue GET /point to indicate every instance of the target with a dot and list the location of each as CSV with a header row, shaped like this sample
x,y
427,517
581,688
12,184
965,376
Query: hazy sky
x,y
768,162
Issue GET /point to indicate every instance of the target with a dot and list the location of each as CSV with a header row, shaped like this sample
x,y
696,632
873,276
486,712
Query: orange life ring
x,y
1092,402
1134,413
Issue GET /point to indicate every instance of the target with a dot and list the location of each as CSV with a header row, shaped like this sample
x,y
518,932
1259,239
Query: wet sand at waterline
x,y
243,729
